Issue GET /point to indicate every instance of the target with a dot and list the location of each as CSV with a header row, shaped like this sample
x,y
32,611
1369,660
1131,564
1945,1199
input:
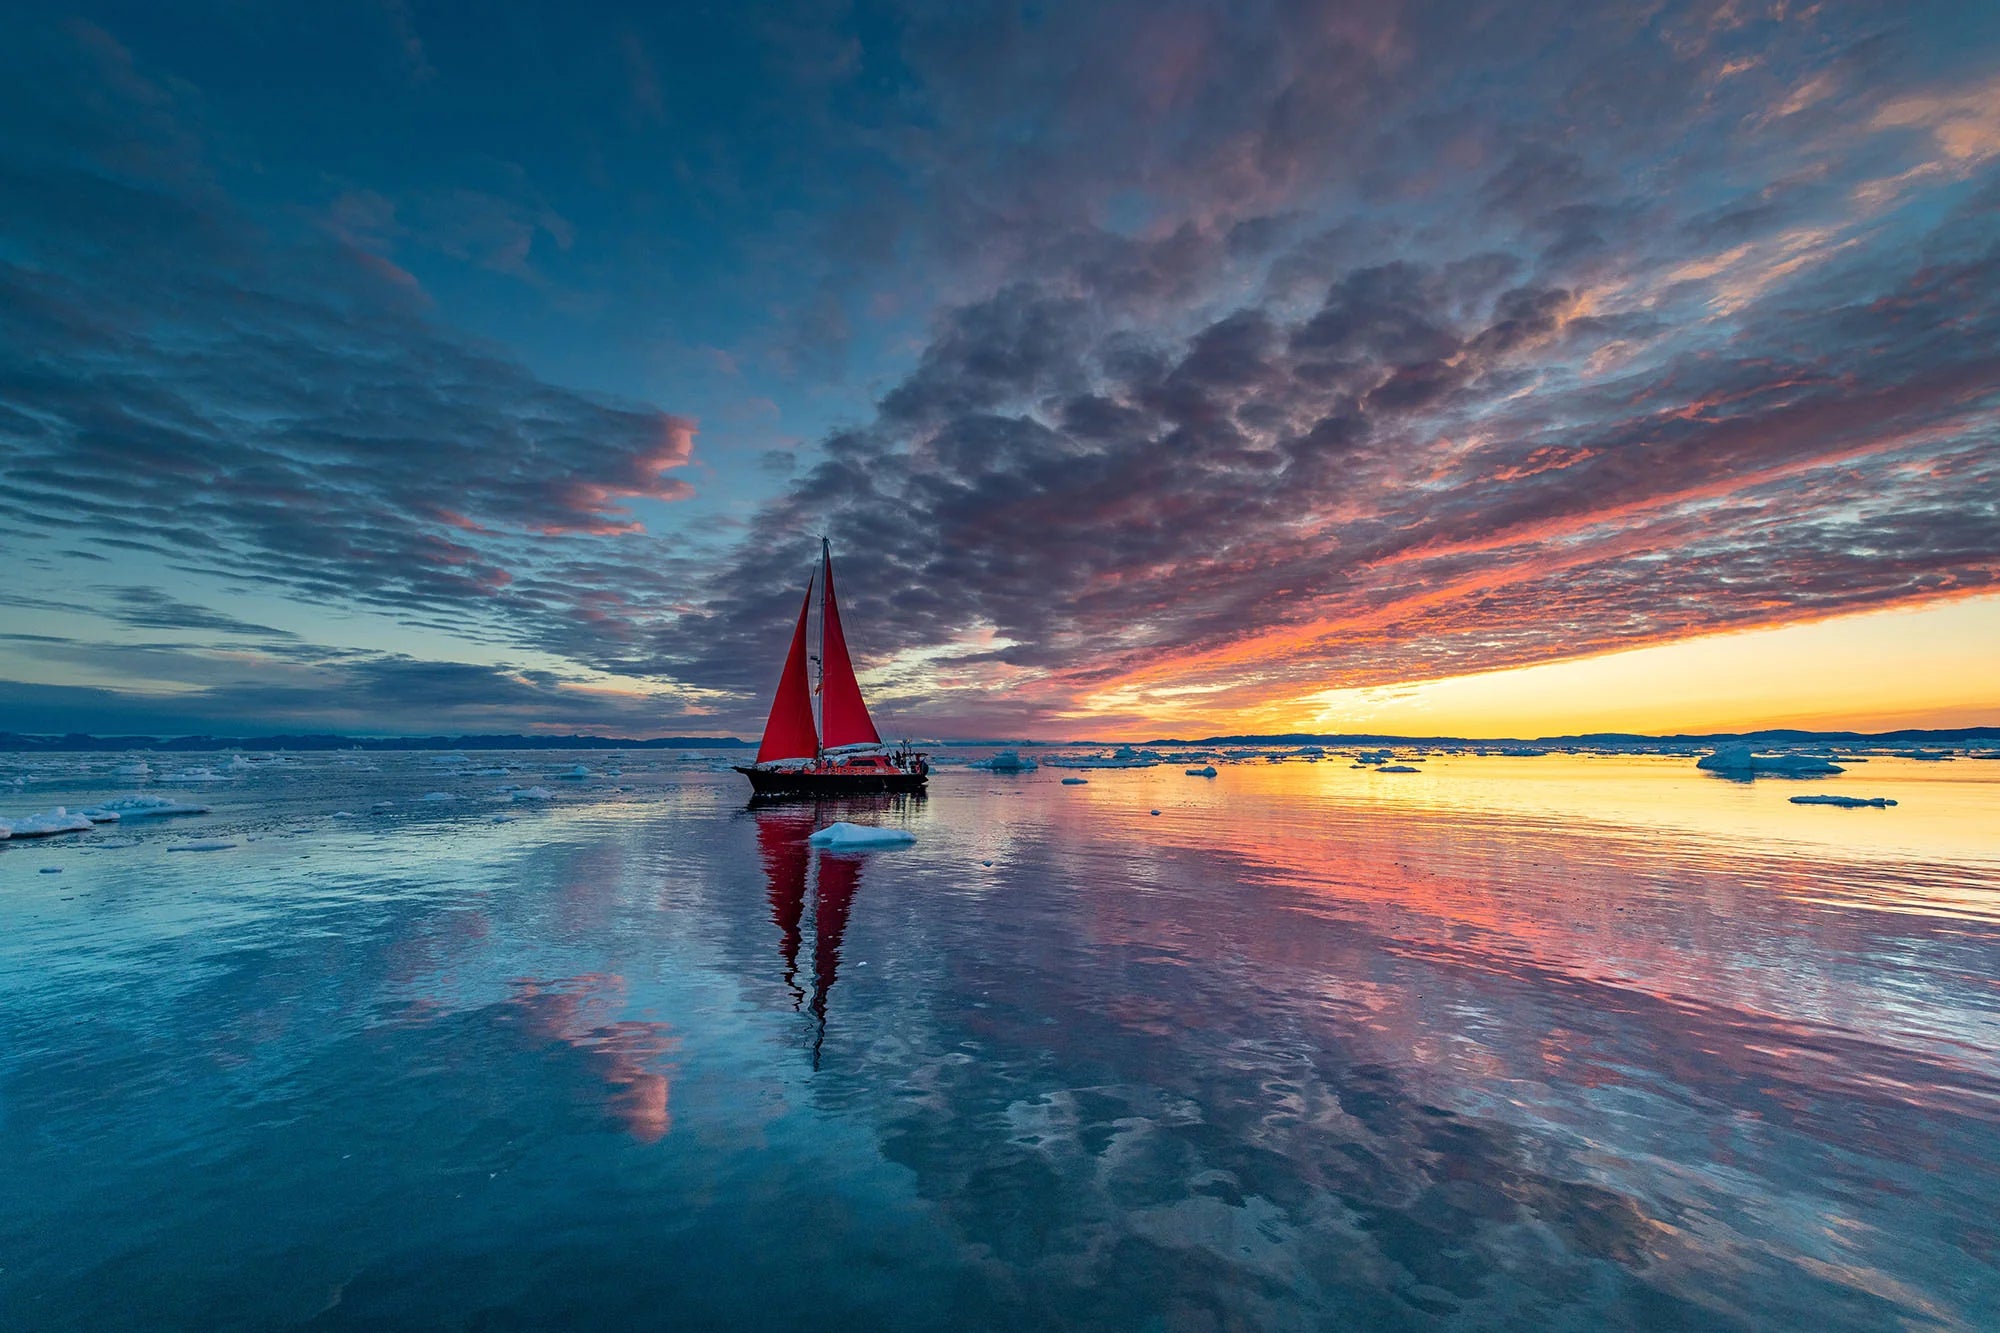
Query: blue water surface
x,y
1517,1044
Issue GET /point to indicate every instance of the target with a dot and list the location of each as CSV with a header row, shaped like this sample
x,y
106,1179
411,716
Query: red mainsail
x,y
843,716
788,732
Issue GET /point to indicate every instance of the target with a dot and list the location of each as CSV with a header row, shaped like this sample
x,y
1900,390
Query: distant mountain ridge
x,y
81,742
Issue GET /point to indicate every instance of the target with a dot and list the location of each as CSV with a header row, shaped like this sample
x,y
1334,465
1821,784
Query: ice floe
x,y
203,845
188,775
1074,782
1742,761
577,774
1399,768
531,794
45,825
1007,761
141,807
440,796
1123,757
1206,771
1845,802
844,834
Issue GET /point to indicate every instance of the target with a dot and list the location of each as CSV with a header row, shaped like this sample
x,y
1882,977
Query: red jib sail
x,y
788,732
843,716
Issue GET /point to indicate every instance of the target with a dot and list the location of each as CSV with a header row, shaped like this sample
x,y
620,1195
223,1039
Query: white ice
x,y
844,834
1742,761
1007,761
532,794
141,807
44,825
188,775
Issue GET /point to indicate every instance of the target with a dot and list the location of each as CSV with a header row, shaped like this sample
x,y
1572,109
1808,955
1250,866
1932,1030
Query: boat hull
x,y
794,782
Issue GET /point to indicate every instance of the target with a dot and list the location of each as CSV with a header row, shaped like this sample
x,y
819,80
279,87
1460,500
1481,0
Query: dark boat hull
x,y
778,782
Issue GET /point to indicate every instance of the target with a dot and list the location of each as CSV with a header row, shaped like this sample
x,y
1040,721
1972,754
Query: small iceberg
x,y
238,764
577,774
1205,771
1846,802
45,825
1740,761
1522,751
1007,761
1074,782
141,807
1399,768
531,794
844,834
136,768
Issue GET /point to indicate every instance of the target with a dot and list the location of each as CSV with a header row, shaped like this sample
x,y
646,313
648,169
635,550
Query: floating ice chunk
x,y
500,819
341,814
142,807
532,794
844,834
1742,761
188,775
204,845
1399,768
52,870
1206,771
440,796
1154,812
136,768
1522,752
1845,802
1007,761
238,764
448,759
1074,782
577,774
1927,756
46,825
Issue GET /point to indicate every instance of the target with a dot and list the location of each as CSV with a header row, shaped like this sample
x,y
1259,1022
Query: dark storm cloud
x,y
1296,344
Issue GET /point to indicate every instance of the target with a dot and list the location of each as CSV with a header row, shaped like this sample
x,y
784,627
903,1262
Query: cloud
x,y
178,379
1270,350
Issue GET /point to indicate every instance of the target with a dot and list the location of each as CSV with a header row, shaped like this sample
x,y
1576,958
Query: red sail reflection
x,y
781,846
794,874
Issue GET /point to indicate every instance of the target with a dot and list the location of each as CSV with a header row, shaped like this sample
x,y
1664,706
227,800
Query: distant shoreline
x,y
16,742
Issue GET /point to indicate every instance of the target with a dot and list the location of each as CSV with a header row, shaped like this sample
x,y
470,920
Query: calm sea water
x,y
1568,1042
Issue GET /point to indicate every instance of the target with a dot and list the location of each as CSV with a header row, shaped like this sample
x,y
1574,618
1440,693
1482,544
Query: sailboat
x,y
831,749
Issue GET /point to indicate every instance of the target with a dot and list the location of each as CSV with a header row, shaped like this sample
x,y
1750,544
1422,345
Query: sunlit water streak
x,y
1555,1042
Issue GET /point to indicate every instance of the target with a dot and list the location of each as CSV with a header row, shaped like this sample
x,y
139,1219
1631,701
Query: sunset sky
x,y
1155,368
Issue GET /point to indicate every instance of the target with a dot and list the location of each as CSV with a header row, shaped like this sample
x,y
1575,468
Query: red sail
x,y
843,717
788,732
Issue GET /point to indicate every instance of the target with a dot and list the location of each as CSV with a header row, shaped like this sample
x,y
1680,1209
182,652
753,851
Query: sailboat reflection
x,y
796,873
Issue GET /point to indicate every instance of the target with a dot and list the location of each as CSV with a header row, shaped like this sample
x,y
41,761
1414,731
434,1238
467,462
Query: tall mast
x,y
819,648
